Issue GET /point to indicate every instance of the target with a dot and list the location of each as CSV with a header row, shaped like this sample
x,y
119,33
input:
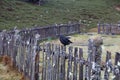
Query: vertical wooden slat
x,y
53,62
117,58
75,64
30,58
94,58
98,28
44,64
103,28
90,58
49,68
37,67
117,66
80,65
79,29
69,69
56,65
62,64
107,70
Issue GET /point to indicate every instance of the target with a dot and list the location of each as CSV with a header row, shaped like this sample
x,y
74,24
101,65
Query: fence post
x,y
16,36
58,27
108,66
57,58
1,43
69,68
75,63
34,63
49,65
79,29
103,28
117,67
99,30
44,63
81,64
37,36
94,58
107,29
62,64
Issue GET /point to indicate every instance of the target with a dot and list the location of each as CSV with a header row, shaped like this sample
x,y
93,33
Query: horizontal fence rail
x,y
104,28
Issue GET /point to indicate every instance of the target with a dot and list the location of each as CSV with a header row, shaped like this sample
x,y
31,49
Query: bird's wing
x,y
68,37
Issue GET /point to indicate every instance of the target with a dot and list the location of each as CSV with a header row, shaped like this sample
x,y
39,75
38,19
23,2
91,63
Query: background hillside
x,y
22,14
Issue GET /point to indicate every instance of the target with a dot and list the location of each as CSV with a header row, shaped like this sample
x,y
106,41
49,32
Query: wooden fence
x,y
57,62
105,28
68,63
22,49
56,30
22,46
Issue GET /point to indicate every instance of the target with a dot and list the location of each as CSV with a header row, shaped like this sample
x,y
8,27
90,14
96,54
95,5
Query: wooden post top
x,y
96,40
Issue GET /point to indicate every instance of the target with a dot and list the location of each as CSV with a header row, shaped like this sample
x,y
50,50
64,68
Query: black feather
x,y
64,40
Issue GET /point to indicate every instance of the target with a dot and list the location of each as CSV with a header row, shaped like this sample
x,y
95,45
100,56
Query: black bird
x,y
64,40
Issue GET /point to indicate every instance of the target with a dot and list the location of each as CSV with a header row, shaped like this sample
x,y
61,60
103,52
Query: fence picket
x,y
108,67
69,68
62,63
81,64
49,69
57,58
53,62
44,64
75,64
117,66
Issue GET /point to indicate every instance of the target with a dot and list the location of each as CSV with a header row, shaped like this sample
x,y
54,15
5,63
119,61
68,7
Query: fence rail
x,y
56,30
105,28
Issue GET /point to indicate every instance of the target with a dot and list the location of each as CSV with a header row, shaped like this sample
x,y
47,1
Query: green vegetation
x,y
21,14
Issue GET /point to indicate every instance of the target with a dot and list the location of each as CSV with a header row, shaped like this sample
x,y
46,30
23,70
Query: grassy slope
x,y
21,14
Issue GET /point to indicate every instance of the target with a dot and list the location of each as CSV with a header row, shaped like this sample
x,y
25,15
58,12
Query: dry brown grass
x,y
6,60
8,71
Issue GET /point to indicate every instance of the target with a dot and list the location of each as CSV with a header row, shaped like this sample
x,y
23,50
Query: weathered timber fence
x,y
22,46
104,28
68,63
58,62
56,30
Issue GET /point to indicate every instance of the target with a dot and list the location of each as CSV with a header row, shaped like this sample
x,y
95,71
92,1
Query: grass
x,y
21,14
7,74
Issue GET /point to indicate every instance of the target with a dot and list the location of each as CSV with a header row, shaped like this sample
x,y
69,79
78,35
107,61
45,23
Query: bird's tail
x,y
70,42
